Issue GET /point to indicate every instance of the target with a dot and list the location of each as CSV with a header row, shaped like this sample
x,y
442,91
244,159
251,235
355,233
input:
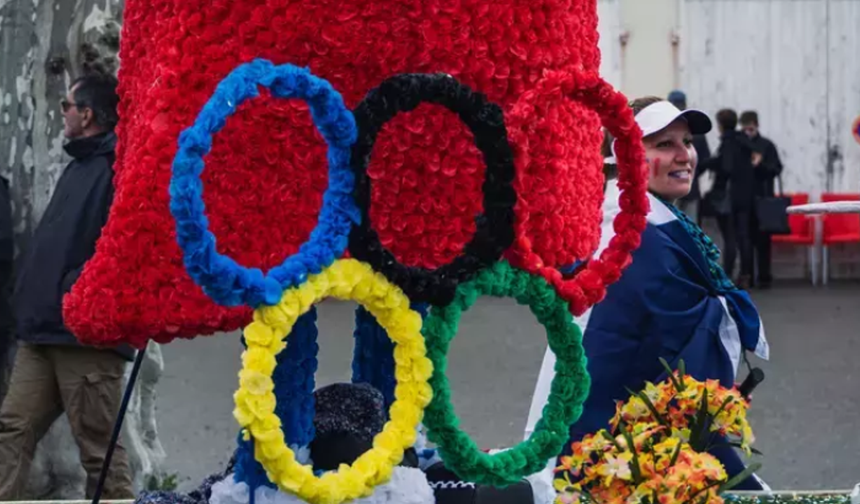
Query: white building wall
x,y
844,89
794,61
609,29
770,56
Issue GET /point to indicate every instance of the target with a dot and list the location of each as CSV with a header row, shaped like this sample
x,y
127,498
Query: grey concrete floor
x,y
805,415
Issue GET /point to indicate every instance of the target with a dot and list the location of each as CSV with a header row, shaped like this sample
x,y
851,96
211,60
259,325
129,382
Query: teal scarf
x,y
720,281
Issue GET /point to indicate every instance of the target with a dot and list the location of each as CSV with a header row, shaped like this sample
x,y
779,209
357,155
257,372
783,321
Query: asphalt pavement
x,y
805,415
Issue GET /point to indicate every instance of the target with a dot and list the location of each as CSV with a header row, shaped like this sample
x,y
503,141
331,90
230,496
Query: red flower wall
x,y
268,164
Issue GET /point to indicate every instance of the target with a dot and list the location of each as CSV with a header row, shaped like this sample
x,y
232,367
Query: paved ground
x,y
805,415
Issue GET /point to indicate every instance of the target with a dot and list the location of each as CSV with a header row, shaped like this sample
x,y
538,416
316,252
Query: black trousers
x,y
741,236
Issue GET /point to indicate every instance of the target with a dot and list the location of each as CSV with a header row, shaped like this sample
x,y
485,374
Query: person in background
x,y
53,373
734,166
673,301
766,170
690,204
7,253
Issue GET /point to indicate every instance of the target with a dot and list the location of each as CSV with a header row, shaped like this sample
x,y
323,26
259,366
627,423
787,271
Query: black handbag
x,y
771,213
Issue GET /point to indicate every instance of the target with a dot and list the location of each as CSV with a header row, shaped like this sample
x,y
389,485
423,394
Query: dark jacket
x,y
734,170
770,167
64,240
7,253
703,153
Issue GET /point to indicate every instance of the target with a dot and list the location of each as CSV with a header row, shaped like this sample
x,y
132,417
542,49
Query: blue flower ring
x,y
222,278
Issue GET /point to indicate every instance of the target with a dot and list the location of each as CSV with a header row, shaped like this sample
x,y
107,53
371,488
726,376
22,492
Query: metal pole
x,y
117,426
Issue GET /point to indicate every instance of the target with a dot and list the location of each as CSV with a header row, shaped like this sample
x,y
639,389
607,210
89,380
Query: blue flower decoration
x,y
221,277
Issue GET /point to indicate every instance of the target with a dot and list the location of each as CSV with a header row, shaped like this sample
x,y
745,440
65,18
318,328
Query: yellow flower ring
x,y
255,399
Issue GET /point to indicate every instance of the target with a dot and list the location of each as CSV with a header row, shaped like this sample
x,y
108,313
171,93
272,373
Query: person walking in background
x,y
52,371
7,253
690,204
766,170
734,166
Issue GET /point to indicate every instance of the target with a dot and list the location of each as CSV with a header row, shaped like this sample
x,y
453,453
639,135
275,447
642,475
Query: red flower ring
x,y
588,286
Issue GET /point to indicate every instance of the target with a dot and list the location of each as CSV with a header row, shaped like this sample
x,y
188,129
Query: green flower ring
x,y
568,391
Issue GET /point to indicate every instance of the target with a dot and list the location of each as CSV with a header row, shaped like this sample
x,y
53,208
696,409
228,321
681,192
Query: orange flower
x,y
668,469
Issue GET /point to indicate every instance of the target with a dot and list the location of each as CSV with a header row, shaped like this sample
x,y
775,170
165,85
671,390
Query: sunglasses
x,y
66,104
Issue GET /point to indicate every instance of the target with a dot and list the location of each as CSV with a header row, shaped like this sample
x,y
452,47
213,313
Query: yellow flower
x,y
381,286
668,445
409,351
385,440
259,360
395,300
271,451
412,323
363,288
635,409
257,405
307,298
242,414
712,467
268,430
255,402
370,462
255,382
294,477
273,316
654,394
423,369
257,333
408,414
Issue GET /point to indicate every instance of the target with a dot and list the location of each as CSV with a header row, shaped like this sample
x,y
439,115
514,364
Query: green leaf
x,y
675,455
682,368
650,405
611,439
679,386
739,478
700,426
728,401
637,474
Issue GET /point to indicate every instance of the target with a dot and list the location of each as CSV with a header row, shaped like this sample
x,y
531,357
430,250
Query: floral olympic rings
x,y
386,287
495,227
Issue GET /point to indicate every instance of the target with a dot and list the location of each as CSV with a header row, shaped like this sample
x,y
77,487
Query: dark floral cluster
x,y
494,231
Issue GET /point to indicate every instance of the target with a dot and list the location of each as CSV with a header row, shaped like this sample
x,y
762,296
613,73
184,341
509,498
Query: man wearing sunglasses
x,y
53,373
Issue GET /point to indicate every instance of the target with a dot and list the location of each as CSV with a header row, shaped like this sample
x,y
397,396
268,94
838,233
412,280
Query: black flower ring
x,y
494,227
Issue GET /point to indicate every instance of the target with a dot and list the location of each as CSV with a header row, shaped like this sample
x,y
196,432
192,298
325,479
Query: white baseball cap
x,y
657,116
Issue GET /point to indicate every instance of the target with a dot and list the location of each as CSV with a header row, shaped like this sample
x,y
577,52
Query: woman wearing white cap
x,y
674,301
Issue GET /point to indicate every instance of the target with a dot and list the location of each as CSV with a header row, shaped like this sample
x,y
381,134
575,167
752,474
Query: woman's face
x,y
671,161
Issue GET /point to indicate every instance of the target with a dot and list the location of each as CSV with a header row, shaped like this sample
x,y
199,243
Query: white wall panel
x,y
771,56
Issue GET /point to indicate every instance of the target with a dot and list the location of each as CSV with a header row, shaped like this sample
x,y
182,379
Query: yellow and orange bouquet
x,y
656,451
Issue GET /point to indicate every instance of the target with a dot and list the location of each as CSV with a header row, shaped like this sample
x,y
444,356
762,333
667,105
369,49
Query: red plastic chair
x,y
838,228
802,232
